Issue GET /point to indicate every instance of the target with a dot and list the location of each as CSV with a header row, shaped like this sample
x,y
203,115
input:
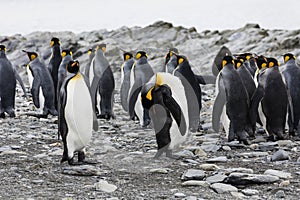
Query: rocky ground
x,y
208,167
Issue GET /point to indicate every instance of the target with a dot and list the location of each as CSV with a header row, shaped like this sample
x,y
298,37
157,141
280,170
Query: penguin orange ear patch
x,y
271,64
286,58
32,57
224,62
63,54
138,56
51,43
127,57
180,60
263,65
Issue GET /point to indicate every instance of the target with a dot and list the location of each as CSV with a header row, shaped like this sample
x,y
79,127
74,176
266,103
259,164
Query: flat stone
x,y
236,178
280,174
200,152
238,195
218,178
160,170
81,170
226,148
280,155
250,192
239,169
195,183
253,154
179,195
5,148
210,147
284,143
193,174
104,186
223,188
217,159
209,167
8,152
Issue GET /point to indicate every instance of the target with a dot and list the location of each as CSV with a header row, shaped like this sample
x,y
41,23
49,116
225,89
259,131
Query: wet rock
x,y
280,174
193,174
223,188
104,186
245,179
280,155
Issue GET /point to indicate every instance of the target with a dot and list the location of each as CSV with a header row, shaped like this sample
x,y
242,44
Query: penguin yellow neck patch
x,y
159,80
149,95
77,76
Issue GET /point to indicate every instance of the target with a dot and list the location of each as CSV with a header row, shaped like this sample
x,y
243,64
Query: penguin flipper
x,y
206,79
35,91
218,106
256,98
17,76
217,64
132,100
290,105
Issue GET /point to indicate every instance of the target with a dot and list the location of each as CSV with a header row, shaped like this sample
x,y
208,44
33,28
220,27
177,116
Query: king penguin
x,y
125,78
217,63
291,75
102,81
233,94
62,71
41,80
192,90
171,60
54,63
164,96
140,74
86,70
272,93
8,76
76,119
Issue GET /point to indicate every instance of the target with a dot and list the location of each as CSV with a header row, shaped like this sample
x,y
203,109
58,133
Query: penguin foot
x,y
146,123
245,141
37,115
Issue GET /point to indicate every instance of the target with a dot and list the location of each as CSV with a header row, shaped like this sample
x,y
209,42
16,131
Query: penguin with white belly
x,y
76,119
165,98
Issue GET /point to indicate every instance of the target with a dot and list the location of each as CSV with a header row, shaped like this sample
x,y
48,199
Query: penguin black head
x,y
73,66
31,55
227,60
89,51
2,47
272,62
127,56
180,59
140,54
238,63
102,47
66,52
245,56
261,62
54,41
288,56
170,54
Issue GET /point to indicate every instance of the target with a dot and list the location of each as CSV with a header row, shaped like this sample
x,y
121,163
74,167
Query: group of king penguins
x,y
250,90
255,90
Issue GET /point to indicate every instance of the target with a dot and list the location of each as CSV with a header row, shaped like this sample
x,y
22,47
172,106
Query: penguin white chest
x,y
78,114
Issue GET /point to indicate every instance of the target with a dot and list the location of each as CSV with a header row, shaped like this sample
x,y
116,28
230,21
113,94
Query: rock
x,y
239,169
160,170
253,154
209,167
226,148
193,174
250,192
5,148
199,152
280,174
280,155
284,143
253,146
236,178
223,188
179,195
279,194
238,195
195,183
81,170
217,159
210,147
218,178
104,186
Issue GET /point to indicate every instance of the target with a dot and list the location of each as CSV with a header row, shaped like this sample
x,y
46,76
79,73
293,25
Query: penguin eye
x,y
138,56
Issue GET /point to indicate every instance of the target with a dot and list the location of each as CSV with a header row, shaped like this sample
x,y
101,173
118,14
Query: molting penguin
x,y
141,72
7,85
125,78
76,118
272,93
192,90
62,71
54,63
291,75
171,60
41,80
236,99
165,98
102,81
